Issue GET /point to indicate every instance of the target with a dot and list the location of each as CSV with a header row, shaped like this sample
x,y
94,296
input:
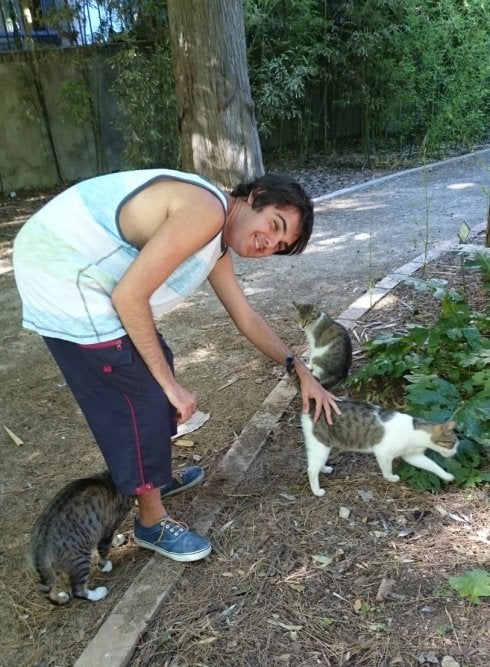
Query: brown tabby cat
x,y
81,518
330,346
388,434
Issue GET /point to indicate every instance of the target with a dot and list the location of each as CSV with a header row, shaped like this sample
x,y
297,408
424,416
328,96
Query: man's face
x,y
262,233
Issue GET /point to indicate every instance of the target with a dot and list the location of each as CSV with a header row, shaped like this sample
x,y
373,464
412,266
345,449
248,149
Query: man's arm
x,y
176,239
227,288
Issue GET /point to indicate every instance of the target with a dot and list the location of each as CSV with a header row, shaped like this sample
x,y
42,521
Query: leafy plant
x,y
144,88
481,261
472,585
442,370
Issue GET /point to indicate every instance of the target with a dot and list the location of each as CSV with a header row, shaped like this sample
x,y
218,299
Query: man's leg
x,y
132,422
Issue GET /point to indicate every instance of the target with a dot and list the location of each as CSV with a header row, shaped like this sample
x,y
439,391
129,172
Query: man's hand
x,y
184,402
312,390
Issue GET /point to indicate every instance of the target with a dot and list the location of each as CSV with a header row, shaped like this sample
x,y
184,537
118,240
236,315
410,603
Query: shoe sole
x,y
181,558
197,480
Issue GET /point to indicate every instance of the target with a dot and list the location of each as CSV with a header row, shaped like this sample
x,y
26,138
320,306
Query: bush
x,y
442,370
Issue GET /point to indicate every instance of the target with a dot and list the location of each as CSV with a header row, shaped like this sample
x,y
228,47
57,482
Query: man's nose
x,y
272,243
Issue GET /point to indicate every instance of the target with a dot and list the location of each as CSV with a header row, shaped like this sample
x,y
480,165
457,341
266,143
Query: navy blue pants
x,y
127,411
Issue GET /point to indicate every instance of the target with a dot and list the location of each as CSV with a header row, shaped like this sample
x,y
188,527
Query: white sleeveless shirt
x,y
71,254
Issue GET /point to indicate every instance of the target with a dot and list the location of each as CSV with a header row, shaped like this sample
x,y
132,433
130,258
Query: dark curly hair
x,y
282,192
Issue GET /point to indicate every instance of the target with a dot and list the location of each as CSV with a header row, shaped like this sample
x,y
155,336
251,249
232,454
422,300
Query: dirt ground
x,y
290,582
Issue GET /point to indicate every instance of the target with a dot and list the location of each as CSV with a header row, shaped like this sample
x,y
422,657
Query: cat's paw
x,y
392,478
448,477
97,594
319,492
105,566
326,469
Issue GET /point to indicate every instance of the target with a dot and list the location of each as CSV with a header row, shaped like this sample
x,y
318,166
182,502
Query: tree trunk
x,y
216,115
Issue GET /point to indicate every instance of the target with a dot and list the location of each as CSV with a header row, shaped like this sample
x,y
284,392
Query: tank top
x,y
70,255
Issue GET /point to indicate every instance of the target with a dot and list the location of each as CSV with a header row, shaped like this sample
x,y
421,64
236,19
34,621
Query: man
x,y
99,262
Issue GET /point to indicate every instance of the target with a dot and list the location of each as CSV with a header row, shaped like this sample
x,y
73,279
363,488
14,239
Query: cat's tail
x,y
47,588
47,582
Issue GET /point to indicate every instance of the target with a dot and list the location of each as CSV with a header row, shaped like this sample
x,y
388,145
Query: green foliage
x,y
286,39
408,66
413,70
75,96
144,88
481,261
472,585
443,371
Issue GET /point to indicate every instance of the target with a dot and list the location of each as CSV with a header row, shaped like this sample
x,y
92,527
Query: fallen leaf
x,y
299,588
118,540
377,533
322,559
184,443
276,431
427,656
285,626
406,532
227,525
473,584
14,437
384,590
449,661
227,384
357,605
288,496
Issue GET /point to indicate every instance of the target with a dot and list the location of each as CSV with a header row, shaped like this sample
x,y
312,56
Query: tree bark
x,y
216,114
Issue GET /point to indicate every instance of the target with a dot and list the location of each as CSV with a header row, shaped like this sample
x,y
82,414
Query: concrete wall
x,y
41,143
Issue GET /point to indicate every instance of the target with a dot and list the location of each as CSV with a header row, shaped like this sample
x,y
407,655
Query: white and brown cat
x,y
388,434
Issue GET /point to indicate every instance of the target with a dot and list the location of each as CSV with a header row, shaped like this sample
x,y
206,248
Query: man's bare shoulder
x,y
143,214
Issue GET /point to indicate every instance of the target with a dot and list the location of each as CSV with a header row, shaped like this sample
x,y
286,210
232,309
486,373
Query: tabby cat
x,y
363,427
81,518
330,346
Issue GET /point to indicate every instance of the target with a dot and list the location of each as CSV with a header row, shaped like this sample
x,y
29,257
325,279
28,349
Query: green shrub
x,y
442,370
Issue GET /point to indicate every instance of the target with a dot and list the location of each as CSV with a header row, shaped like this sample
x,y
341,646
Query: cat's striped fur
x,y
330,346
80,519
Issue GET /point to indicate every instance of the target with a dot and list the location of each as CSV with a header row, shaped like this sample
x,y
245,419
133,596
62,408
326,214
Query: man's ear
x,y
250,198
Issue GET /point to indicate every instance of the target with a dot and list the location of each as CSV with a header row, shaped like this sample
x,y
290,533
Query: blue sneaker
x,y
172,539
182,480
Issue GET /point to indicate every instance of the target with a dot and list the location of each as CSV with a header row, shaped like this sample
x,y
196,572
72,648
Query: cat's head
x,y
307,313
444,439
